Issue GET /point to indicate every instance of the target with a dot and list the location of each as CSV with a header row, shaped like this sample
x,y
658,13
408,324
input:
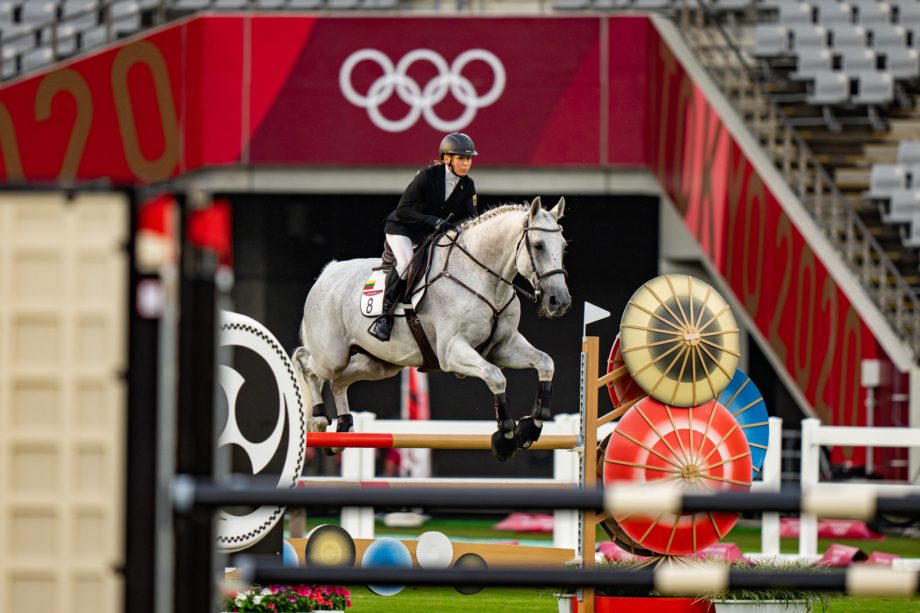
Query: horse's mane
x,y
493,212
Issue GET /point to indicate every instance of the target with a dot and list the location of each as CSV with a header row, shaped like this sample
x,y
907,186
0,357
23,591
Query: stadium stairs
x,y
826,152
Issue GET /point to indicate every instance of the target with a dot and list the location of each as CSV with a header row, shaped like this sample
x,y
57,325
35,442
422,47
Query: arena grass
x,y
448,600
747,537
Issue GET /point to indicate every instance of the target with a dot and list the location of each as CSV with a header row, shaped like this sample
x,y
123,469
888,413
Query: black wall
x,y
282,242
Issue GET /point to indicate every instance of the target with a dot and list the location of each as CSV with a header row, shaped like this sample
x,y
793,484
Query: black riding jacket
x,y
423,204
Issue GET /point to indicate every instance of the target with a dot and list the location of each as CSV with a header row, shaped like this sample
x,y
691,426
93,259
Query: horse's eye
x,y
538,246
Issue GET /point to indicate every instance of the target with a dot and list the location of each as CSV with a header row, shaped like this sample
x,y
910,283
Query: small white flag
x,y
593,313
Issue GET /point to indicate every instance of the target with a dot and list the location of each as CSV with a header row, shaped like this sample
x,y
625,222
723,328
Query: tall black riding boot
x,y
383,325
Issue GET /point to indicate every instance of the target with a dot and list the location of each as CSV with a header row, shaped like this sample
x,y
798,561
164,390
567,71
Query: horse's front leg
x,y
460,358
518,353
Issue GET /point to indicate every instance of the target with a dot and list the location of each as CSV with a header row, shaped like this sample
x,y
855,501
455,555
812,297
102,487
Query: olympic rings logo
x,y
421,101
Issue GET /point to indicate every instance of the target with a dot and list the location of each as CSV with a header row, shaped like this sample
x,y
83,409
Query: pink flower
x,y
271,606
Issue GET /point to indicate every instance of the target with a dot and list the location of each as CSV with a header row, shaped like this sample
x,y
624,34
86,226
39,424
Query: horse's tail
x,y
301,359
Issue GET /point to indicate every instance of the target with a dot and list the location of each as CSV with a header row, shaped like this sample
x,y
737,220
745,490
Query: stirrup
x,y
381,328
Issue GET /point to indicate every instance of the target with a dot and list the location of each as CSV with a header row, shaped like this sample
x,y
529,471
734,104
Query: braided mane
x,y
494,212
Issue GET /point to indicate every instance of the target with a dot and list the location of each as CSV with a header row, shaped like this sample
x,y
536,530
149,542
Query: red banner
x,y
363,94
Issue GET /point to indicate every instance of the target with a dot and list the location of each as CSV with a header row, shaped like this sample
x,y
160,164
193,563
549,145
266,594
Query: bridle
x,y
525,238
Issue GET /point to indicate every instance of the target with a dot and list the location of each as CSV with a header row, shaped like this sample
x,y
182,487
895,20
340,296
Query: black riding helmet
x,y
457,143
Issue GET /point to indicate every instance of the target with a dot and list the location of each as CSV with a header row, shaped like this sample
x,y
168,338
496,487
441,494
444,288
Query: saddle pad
x,y
372,295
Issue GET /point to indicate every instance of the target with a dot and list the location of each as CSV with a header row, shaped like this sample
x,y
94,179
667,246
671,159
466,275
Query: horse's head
x,y
540,260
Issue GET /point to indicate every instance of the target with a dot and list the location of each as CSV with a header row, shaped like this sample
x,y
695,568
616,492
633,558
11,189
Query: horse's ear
x,y
558,210
535,206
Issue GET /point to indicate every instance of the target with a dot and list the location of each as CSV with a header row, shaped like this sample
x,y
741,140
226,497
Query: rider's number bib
x,y
372,294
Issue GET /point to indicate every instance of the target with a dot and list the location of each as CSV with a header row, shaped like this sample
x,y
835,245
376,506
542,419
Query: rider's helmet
x,y
457,143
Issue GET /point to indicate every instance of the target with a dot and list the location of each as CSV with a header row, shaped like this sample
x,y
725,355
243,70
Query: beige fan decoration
x,y
680,341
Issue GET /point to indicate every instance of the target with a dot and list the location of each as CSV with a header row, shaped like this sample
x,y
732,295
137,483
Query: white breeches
x,y
401,246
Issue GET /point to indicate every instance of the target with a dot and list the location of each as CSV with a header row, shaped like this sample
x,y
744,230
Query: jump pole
x,y
377,440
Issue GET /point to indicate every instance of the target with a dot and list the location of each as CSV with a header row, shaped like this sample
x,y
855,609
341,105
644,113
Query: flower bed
x,y
289,599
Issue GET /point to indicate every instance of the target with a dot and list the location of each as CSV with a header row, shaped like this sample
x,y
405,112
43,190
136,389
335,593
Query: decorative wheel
x,y
623,389
700,447
744,401
608,524
680,341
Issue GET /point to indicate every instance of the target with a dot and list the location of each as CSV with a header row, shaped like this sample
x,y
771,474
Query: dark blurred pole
x,y
195,536
141,447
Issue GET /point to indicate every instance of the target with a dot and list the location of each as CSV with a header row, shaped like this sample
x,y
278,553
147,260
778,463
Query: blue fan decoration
x,y
745,402
388,552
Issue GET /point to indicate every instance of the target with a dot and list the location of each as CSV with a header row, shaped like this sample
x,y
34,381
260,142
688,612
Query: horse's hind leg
x,y
319,418
361,367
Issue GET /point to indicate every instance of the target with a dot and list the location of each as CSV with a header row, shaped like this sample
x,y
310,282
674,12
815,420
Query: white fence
x,y
814,436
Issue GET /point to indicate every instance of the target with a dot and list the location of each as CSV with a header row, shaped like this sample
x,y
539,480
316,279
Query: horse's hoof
x,y
527,432
503,447
345,423
317,424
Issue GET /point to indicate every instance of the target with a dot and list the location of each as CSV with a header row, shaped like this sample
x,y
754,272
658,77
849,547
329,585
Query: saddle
x,y
418,267
416,276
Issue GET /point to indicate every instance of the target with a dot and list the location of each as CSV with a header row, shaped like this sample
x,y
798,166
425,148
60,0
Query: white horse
x,y
470,314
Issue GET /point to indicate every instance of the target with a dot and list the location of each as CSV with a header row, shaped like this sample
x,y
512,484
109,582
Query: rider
x,y
437,194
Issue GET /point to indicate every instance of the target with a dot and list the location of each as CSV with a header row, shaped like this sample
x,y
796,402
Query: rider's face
x,y
460,164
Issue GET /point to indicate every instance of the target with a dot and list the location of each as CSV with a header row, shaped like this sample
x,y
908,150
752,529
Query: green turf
x,y
447,600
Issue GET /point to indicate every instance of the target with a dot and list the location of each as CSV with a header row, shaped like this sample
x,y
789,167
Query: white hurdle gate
x,y
814,436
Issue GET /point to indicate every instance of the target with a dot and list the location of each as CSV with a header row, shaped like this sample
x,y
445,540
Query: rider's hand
x,y
444,225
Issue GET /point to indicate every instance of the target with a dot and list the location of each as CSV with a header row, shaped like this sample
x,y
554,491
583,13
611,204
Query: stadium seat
x,y
845,36
81,14
811,62
873,88
828,88
887,35
869,12
36,58
808,35
831,12
730,5
568,5
905,10
191,4
885,179
795,13
770,40
902,63
855,61
126,16
38,12
651,4
901,206
93,37
910,235
909,153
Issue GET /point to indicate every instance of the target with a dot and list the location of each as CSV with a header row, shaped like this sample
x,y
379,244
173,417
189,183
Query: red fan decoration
x,y
701,448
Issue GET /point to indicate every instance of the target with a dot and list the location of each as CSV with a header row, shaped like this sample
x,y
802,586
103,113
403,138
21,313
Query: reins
x,y
525,238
